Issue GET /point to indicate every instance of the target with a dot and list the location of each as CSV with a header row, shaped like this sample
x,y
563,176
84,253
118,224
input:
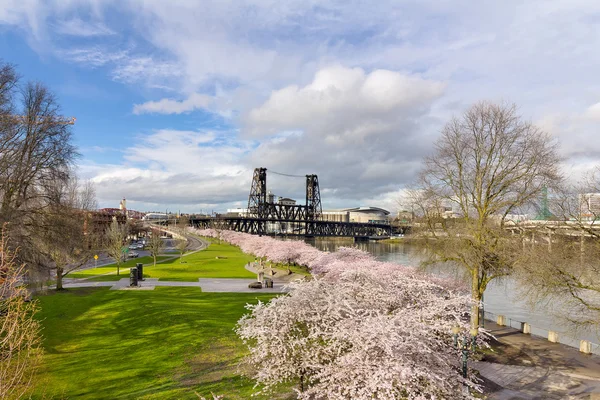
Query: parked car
x,y
134,254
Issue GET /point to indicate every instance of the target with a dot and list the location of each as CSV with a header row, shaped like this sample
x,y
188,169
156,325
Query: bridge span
x,y
265,217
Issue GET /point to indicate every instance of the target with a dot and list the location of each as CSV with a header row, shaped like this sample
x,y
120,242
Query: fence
x,y
584,346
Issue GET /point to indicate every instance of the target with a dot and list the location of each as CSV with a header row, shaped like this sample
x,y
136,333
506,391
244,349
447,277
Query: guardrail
x,y
584,346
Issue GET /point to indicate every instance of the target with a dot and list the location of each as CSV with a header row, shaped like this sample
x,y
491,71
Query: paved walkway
x,y
543,370
207,285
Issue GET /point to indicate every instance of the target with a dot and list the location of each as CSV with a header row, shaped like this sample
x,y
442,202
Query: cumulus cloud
x,y
347,100
170,106
176,167
362,133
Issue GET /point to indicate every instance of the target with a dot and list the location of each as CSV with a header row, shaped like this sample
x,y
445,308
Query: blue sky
x,y
177,102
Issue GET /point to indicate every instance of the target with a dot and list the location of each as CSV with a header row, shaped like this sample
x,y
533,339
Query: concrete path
x,y
207,285
280,275
543,370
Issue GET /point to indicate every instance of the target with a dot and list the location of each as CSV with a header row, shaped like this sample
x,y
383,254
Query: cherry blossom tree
x,y
363,335
360,329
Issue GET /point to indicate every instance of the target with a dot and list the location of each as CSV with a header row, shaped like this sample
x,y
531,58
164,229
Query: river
x,y
501,297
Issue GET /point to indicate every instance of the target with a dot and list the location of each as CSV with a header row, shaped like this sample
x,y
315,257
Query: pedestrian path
x,y
209,285
540,369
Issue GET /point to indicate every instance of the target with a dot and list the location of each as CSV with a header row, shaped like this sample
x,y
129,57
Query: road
x,y
194,244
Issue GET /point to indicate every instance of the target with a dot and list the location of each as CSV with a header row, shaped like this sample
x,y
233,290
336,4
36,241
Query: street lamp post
x,y
467,346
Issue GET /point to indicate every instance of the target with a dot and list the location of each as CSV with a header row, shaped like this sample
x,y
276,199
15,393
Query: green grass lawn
x,y
204,264
160,344
112,269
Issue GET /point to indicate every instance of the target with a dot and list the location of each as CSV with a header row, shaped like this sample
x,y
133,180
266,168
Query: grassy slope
x,y
160,344
204,264
112,268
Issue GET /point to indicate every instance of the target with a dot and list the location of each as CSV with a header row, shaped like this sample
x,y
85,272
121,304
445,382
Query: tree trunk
x,y
476,296
59,278
118,269
154,256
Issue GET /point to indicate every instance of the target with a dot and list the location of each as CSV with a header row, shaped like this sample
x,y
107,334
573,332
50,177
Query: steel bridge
x,y
265,217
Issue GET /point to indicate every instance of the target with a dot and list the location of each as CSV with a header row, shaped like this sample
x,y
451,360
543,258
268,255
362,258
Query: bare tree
x,y
115,240
181,245
562,272
182,223
20,336
66,241
487,164
36,152
155,244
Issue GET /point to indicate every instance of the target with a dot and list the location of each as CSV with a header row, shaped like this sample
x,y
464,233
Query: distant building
x,y
154,216
335,216
405,216
286,201
237,212
373,215
589,205
440,212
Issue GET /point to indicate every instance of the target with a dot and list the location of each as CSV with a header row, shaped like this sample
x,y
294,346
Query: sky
x,y
178,101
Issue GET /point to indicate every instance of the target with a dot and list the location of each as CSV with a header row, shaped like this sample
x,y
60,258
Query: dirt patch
x,y
502,353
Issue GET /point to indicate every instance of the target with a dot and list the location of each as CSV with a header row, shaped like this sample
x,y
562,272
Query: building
x,y
335,216
441,212
153,216
365,215
286,201
589,206
405,216
236,212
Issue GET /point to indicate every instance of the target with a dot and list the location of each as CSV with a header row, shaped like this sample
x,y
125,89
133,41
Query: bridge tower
x,y
313,198
258,194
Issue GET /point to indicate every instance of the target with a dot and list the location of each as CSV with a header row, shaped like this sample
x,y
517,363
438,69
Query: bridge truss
x,y
257,226
266,217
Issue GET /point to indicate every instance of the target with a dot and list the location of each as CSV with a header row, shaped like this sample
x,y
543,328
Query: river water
x,y
501,297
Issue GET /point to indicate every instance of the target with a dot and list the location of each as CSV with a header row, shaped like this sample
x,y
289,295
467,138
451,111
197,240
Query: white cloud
x,y
94,56
405,67
347,100
593,112
176,167
78,27
362,133
149,70
170,106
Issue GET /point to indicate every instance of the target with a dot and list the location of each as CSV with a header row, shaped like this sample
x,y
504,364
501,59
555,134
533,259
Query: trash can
x,y
133,277
140,271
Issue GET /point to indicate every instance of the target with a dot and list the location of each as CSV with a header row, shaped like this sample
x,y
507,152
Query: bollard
x,y
585,347
553,336
140,271
133,277
501,320
526,328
